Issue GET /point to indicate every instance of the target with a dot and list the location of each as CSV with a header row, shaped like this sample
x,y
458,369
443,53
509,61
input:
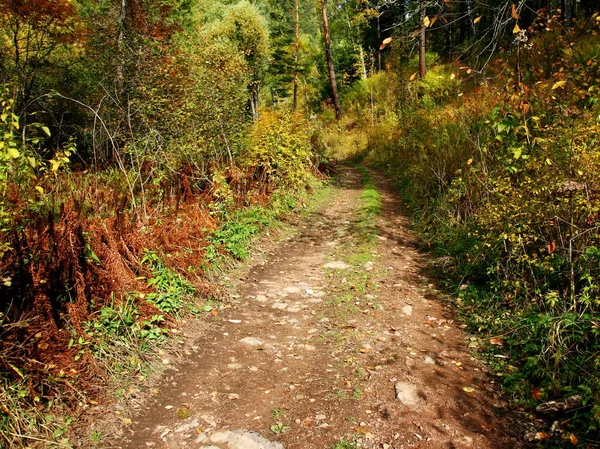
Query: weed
x,y
345,444
277,413
279,428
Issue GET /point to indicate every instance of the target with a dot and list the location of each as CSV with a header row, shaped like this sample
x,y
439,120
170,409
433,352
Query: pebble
x,y
251,341
406,393
337,265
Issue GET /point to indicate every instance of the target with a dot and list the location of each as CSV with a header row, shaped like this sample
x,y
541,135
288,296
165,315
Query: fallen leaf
x,y
364,350
468,389
214,312
573,439
516,29
536,394
477,19
126,421
558,84
497,341
365,430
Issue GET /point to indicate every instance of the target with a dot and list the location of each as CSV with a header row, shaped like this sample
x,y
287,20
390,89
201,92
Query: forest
x,y
144,145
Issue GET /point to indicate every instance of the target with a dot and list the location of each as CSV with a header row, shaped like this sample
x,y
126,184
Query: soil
x,y
321,346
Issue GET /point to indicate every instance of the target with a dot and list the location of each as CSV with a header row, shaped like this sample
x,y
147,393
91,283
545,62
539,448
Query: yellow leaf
x,y
452,76
516,29
470,161
426,22
13,152
573,439
468,389
477,19
413,76
558,84
469,71
17,370
39,189
387,40
382,46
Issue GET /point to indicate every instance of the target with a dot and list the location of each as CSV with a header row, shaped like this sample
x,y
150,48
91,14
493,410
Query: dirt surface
x,y
331,341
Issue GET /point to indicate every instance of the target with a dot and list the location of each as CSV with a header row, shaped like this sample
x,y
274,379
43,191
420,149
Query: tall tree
x,y
296,52
334,92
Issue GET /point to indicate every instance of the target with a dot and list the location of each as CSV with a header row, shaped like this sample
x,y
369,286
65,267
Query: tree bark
x,y
422,62
334,92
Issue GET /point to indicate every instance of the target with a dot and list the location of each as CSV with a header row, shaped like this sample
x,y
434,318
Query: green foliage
x,y
172,288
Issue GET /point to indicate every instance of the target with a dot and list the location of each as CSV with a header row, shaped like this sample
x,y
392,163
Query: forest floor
x,y
329,339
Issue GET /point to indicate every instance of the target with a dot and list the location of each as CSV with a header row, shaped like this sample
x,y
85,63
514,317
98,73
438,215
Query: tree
x,y
332,81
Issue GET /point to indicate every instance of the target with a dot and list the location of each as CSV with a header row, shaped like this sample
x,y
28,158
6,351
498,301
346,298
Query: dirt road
x,y
332,341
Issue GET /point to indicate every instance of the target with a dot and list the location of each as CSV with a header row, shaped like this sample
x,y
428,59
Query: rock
x,y
369,265
337,265
291,290
279,305
242,439
192,425
428,360
260,298
251,341
407,310
407,393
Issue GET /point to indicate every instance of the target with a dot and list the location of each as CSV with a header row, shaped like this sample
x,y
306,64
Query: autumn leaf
x,y
452,76
426,22
536,394
497,341
413,76
552,246
573,439
477,19
468,389
387,40
514,14
558,84
516,29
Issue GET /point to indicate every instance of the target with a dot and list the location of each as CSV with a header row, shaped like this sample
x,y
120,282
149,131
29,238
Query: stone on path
x,y
240,439
251,341
407,393
407,310
337,265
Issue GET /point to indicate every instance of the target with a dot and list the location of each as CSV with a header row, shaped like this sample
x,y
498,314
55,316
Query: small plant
x,y
345,444
277,413
279,428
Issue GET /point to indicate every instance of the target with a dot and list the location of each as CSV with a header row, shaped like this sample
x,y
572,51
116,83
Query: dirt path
x,y
332,342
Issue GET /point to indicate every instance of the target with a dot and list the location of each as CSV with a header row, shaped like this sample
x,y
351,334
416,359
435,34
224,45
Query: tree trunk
x,y
422,62
334,91
296,53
